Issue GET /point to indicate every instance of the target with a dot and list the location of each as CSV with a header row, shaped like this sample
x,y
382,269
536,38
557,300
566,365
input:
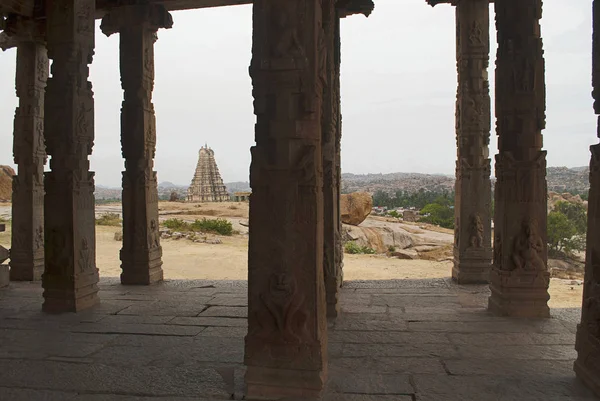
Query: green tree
x,y
575,213
438,214
560,232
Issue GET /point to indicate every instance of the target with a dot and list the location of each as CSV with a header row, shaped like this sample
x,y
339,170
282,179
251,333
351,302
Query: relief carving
x,y
153,235
285,308
84,256
476,34
529,248
476,232
285,42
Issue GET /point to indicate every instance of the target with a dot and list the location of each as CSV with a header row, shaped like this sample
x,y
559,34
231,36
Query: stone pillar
x,y
286,345
331,188
519,278
29,151
137,24
587,365
339,253
70,277
472,228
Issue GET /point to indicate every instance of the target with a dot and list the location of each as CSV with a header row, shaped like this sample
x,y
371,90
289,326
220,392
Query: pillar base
x,y
473,266
4,276
277,384
142,277
587,365
61,297
142,273
519,293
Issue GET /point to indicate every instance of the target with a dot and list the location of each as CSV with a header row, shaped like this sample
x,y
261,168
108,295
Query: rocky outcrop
x,y
554,198
6,174
355,207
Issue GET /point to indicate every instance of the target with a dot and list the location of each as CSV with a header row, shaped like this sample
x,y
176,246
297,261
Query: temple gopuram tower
x,y
207,184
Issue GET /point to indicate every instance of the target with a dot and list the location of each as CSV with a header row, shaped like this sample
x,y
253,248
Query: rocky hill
x,y
410,182
560,179
563,179
6,174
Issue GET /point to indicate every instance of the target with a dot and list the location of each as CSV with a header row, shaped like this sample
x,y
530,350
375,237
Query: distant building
x,y
207,184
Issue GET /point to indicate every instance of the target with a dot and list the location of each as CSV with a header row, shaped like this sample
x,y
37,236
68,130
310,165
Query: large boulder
x,y
6,175
355,207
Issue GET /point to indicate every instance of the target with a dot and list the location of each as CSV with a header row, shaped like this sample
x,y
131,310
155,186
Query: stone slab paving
x,y
396,340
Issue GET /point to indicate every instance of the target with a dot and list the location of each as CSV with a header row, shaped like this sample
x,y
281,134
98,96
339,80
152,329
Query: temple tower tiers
x,y
207,184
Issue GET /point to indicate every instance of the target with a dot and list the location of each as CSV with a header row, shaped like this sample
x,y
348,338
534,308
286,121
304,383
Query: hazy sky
x,y
398,91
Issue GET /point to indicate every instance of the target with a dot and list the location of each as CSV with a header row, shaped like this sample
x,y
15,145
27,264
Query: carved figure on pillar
x,y
472,245
138,24
285,349
70,276
519,279
587,365
29,150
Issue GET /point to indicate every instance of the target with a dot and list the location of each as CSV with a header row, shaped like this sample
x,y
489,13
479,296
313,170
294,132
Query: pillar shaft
x,y
519,279
587,365
70,276
339,253
286,344
29,151
473,249
330,121
141,253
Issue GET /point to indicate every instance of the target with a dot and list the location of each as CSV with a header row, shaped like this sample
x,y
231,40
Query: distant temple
x,y
207,184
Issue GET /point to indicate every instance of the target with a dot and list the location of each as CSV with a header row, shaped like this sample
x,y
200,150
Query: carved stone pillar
x,y
286,345
587,365
70,276
519,279
330,120
29,151
472,229
339,253
137,24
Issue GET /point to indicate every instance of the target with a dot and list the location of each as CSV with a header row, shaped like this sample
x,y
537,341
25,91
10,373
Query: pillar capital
x,y
17,29
152,15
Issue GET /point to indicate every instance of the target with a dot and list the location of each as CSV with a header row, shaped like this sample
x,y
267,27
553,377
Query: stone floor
x,y
426,340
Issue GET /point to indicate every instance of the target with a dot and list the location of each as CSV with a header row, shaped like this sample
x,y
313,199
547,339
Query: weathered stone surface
x,y
70,274
4,275
587,365
355,207
285,349
472,226
141,255
519,278
29,150
207,184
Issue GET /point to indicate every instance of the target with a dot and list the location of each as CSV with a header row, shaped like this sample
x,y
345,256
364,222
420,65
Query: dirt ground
x,y
184,259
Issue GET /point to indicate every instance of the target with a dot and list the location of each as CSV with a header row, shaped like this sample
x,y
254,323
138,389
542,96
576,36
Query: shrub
x,y
109,219
177,225
438,214
218,226
395,214
354,248
391,248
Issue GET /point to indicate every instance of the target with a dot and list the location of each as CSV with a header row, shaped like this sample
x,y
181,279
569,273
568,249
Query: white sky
x,y
398,91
